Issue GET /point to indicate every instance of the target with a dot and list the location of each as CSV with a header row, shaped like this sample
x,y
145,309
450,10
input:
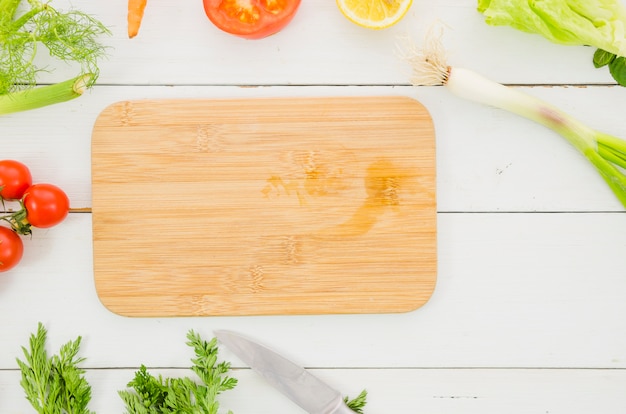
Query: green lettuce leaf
x,y
598,23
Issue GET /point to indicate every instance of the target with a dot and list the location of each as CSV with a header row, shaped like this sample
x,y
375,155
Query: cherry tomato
x,y
15,178
46,205
251,19
11,249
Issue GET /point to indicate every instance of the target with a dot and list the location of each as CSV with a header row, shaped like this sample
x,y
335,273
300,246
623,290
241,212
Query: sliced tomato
x,y
251,19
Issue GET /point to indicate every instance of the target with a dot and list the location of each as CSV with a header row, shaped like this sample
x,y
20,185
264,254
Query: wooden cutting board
x,y
264,206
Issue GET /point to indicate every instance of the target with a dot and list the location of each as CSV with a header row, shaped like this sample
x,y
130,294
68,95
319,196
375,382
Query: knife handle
x,y
342,408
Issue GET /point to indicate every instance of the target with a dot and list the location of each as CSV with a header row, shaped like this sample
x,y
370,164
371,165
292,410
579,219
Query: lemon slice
x,y
374,14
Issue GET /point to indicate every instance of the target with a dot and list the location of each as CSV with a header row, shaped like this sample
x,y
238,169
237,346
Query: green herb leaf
x,y
68,36
602,58
358,403
618,70
54,384
150,391
150,394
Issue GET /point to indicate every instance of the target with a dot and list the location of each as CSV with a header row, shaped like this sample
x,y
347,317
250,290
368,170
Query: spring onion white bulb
x,y
606,152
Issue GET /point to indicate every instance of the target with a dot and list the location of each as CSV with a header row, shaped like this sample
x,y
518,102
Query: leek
x,y
606,153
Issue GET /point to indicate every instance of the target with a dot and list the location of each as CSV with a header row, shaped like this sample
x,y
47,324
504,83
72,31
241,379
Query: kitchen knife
x,y
302,387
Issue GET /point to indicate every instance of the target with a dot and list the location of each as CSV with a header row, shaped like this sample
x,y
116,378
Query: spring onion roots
x,y
607,153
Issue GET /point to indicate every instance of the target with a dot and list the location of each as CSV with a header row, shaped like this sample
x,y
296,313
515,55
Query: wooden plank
x,y
487,160
442,391
264,206
319,47
513,290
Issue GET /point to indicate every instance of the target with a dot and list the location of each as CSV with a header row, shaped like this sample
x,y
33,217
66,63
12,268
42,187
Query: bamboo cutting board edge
x,y
135,115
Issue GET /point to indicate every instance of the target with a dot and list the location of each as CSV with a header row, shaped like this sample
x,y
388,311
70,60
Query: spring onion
x,y
607,153
70,37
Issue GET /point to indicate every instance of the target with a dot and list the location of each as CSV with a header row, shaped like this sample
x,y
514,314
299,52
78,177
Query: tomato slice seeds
x,y
251,19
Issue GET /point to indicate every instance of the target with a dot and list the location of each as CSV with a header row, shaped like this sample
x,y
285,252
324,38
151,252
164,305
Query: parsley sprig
x,y
150,394
357,403
56,384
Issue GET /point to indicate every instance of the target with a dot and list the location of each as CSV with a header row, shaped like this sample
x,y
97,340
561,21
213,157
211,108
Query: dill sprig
x,y
71,37
150,394
54,384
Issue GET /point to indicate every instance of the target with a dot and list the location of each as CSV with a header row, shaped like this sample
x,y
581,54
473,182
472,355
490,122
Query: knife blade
x,y
298,384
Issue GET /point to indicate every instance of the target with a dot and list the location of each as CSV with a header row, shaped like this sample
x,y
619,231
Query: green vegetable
x,y
606,153
54,385
602,58
597,23
357,403
69,37
617,68
150,394
45,95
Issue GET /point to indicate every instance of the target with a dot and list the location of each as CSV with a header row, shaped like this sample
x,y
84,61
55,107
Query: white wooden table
x,y
529,312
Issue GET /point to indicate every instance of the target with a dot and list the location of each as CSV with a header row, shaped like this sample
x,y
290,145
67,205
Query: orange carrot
x,y
135,15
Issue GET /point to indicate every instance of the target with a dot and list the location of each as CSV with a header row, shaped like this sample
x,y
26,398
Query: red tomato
x,y
11,249
46,205
15,178
251,19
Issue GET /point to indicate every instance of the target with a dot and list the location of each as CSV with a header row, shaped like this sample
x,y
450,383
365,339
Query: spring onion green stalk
x,y
44,95
607,153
